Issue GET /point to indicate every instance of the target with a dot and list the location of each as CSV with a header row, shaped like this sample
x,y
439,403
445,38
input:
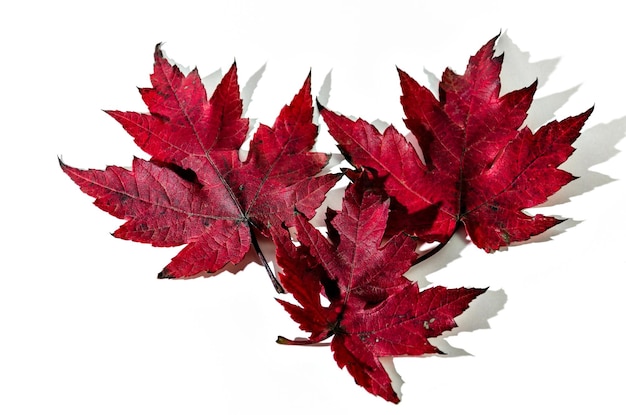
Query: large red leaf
x,y
373,310
480,167
195,190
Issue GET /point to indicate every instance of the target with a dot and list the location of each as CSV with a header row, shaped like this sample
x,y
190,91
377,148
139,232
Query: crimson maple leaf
x,y
480,166
195,190
373,310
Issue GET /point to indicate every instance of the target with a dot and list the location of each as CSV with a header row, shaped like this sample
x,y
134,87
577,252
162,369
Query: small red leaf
x,y
374,310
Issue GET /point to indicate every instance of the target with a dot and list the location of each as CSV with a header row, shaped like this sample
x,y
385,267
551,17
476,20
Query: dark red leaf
x,y
481,166
373,310
195,190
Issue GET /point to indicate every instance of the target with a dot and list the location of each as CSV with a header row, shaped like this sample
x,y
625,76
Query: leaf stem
x,y
430,253
301,342
255,243
437,248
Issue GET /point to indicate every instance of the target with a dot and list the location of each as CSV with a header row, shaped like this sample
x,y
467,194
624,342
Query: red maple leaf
x,y
373,310
195,190
481,167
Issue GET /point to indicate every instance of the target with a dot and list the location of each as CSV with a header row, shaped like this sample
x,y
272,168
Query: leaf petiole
x,y
255,243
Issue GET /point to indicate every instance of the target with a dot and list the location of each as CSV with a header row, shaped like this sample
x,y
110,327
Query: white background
x,y
85,326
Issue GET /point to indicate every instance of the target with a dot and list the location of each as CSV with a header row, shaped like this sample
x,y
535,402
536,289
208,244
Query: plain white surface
x,y
85,326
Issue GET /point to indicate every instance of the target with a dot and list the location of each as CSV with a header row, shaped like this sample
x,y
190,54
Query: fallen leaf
x,y
477,165
195,190
373,310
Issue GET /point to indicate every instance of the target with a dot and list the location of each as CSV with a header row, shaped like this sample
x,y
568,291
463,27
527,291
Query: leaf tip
x,y
480,291
165,275
493,40
282,340
558,221
158,52
319,105
534,85
402,73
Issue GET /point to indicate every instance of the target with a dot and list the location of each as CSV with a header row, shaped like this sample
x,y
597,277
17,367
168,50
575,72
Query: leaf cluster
x,y
475,166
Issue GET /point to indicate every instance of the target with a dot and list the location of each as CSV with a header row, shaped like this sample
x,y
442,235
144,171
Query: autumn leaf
x,y
373,310
195,190
477,165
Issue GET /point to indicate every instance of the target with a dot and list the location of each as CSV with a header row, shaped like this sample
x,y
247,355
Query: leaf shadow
x,y
544,109
333,200
211,81
517,69
590,151
323,96
247,92
476,317
449,253
251,257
